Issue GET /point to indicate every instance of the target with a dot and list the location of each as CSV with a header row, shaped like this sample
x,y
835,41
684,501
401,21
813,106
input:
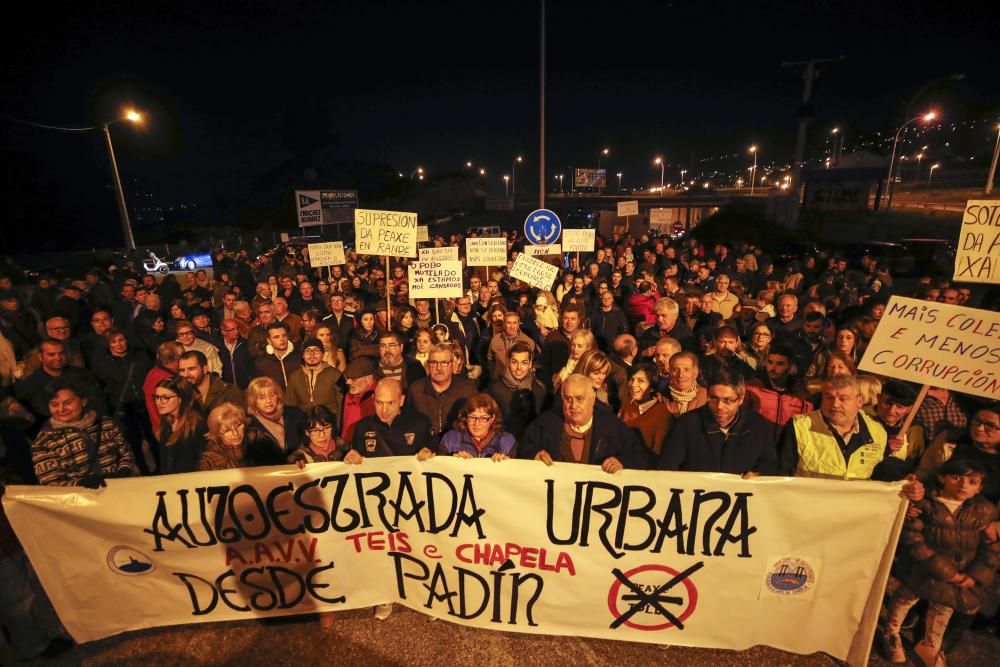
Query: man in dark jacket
x,y
668,323
441,394
518,392
582,435
722,436
555,351
278,361
234,355
608,320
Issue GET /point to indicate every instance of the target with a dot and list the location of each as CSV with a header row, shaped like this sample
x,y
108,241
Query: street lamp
x,y
506,185
134,117
482,172
560,177
993,166
603,153
418,170
933,167
619,181
838,145
683,171
513,180
927,117
659,161
753,170
919,157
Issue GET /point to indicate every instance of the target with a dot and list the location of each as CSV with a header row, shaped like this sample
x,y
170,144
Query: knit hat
x,y
312,342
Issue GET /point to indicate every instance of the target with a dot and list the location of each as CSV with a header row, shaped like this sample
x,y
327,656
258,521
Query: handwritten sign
x,y
533,271
626,208
578,240
438,254
422,235
952,347
514,546
544,249
436,280
660,217
391,233
486,252
978,256
326,254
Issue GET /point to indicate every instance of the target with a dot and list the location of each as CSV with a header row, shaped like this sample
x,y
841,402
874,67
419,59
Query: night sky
x,y
231,90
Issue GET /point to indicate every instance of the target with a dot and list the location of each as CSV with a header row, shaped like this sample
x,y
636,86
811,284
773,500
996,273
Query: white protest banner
x,y
660,217
515,546
542,249
937,344
578,240
422,234
448,254
978,256
627,208
326,254
533,271
308,208
390,233
486,252
283,237
436,280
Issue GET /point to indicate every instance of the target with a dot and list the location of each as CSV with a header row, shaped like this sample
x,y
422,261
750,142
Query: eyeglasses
x,y
432,362
184,334
320,429
724,401
477,419
388,346
58,328
762,334
163,398
989,427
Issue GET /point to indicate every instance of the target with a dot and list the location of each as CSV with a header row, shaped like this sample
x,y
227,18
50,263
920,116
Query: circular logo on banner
x,y
652,597
542,227
130,562
790,576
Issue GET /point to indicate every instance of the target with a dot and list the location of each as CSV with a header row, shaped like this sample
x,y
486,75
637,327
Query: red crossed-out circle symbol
x,y
661,578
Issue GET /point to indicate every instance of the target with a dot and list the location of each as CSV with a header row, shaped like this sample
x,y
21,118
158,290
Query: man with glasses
x,y
441,394
722,436
894,404
234,355
316,382
392,364
60,329
187,338
340,321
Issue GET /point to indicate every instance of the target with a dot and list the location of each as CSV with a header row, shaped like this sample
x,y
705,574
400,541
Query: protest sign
x,y
544,249
656,557
422,234
660,217
978,256
627,208
937,344
389,233
325,207
578,240
448,254
326,254
436,280
533,271
486,252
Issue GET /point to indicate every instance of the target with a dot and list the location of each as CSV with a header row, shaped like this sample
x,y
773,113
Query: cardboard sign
x,y
952,347
390,233
486,252
578,240
660,217
533,271
422,235
978,256
539,250
448,254
626,208
326,254
436,280
724,562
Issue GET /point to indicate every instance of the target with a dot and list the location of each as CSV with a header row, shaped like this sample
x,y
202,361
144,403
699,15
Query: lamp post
x,y
933,167
134,117
603,153
918,157
418,170
560,177
753,169
660,162
683,171
513,179
506,185
619,181
993,166
927,117
482,172
838,145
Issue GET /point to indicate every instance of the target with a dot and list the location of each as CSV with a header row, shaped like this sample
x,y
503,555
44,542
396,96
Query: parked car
x,y
193,261
581,219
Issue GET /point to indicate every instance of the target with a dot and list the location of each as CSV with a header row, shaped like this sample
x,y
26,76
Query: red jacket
x,y
640,307
776,408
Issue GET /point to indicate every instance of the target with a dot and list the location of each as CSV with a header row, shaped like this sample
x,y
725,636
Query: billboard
x,y
325,207
590,178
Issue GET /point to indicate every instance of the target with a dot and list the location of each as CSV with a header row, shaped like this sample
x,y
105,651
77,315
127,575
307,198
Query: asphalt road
x,y
410,638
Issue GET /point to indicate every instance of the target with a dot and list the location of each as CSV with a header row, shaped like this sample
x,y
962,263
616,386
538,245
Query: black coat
x,y
260,447
697,444
609,437
519,407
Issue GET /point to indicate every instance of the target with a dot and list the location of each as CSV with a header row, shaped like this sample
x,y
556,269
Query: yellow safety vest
x,y
820,455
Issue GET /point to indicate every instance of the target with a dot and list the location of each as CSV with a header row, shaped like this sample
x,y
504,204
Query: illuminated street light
x,y
418,170
506,185
933,167
619,181
603,153
513,179
560,177
838,145
919,157
753,170
482,172
468,164
659,161
134,117
927,117
993,166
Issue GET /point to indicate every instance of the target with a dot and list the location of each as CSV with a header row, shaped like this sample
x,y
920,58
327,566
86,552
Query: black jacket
x,y
236,365
519,407
609,437
260,447
697,444
122,377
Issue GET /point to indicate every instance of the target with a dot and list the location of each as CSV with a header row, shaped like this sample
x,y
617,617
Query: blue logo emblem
x,y
129,562
790,576
542,227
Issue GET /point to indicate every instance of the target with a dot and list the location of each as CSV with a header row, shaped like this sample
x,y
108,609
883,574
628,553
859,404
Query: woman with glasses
x,y
182,426
478,432
321,436
226,427
275,429
979,442
75,447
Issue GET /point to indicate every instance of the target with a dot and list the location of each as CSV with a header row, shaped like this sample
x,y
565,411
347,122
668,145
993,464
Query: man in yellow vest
x,y
840,441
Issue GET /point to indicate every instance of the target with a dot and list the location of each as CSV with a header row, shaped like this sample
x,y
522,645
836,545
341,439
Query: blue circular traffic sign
x,y
542,227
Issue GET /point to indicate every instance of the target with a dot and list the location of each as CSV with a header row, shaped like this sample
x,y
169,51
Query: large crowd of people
x,y
650,353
